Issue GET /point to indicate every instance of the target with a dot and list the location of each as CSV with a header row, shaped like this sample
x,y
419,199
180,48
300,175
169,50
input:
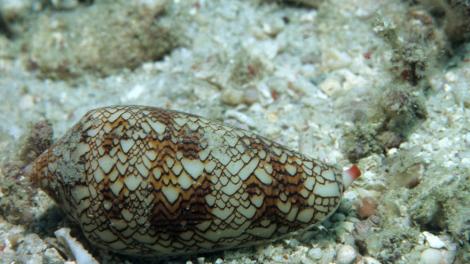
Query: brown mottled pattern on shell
x,y
148,181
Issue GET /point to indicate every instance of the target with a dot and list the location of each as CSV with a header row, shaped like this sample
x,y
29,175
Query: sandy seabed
x,y
383,84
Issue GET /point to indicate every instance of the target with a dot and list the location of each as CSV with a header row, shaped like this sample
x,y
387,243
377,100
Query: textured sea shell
x,y
148,181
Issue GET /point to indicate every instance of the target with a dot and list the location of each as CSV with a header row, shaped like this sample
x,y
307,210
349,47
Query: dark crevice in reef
x,y
4,28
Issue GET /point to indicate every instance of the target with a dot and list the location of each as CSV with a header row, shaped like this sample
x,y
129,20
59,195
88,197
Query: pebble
x,y
232,97
367,207
432,256
330,86
328,255
26,102
315,253
250,96
346,255
433,241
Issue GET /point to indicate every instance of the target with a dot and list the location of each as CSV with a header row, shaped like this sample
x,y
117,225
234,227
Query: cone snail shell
x,y
152,182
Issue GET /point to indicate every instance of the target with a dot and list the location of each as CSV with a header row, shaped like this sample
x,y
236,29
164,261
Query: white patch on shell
x,y
106,163
157,173
132,182
210,199
142,169
185,181
223,157
209,166
248,169
177,168
292,214
180,121
327,189
257,200
247,212
284,207
263,176
157,126
114,116
222,213
235,166
203,154
291,169
329,175
126,144
98,175
231,188
305,215
309,183
308,164
171,193
193,166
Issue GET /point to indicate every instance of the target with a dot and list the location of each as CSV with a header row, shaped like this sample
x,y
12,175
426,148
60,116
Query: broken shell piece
x,y
80,254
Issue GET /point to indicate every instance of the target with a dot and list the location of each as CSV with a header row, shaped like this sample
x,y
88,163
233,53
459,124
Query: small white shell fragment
x,y
241,117
433,241
346,255
81,254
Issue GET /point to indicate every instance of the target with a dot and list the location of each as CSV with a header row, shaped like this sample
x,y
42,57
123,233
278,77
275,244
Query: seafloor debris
x,y
79,253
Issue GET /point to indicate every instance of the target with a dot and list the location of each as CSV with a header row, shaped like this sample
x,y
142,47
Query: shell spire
x,y
153,182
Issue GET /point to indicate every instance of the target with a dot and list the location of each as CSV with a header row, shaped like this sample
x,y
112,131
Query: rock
x,y
346,255
432,256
